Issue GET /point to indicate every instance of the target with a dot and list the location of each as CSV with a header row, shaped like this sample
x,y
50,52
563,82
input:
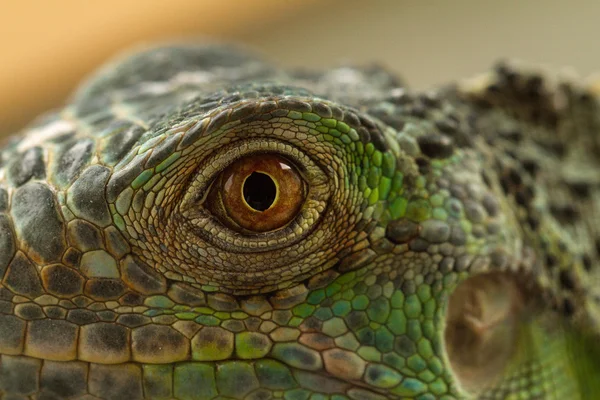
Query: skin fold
x,y
390,244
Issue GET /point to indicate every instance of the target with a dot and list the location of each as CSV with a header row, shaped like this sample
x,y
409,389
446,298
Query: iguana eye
x,y
261,192
255,196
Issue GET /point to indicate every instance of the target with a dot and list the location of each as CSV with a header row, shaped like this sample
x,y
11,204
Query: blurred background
x,y
49,46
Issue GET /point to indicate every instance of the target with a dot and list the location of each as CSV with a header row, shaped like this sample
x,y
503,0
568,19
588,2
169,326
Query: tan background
x,y
48,46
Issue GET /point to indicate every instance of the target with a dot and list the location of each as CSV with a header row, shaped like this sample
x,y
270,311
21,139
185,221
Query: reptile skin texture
x,y
197,223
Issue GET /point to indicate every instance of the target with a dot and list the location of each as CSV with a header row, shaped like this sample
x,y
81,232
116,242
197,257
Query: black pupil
x,y
259,191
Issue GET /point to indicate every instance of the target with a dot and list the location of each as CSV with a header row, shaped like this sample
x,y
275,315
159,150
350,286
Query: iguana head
x,y
198,224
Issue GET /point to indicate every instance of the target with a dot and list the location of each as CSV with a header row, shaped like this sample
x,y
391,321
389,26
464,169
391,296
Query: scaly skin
x,y
119,281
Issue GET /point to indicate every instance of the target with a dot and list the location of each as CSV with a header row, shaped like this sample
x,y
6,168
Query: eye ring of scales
x,y
445,245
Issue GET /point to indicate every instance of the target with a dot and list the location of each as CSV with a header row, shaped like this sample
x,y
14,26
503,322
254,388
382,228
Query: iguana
x,y
198,224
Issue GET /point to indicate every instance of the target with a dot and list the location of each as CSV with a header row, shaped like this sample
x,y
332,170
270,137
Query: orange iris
x,y
262,192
